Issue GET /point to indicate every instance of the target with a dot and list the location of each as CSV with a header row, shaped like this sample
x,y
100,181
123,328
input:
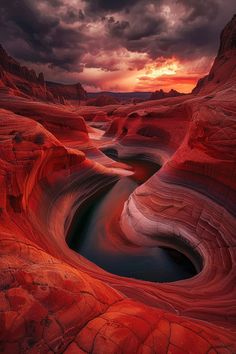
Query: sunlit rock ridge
x,y
52,163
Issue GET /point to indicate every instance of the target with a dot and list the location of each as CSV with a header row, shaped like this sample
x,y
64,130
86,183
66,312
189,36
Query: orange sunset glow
x,y
109,46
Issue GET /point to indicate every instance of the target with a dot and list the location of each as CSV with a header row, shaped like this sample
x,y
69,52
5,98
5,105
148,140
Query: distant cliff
x,y
157,95
102,100
21,81
68,92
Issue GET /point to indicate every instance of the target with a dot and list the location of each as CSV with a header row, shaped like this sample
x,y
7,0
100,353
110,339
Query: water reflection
x,y
98,238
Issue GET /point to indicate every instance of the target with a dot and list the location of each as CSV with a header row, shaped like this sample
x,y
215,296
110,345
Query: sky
x,y
116,45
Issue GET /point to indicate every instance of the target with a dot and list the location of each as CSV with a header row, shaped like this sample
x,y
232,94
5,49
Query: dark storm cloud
x,y
117,28
103,6
147,29
53,3
134,31
73,15
47,40
58,32
201,8
25,17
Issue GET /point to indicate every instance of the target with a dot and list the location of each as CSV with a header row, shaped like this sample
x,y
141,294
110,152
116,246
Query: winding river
x,y
97,236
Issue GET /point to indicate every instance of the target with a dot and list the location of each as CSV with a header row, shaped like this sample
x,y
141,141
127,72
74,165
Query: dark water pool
x,y
96,236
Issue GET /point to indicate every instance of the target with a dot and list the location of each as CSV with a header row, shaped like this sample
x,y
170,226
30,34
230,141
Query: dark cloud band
x,y
59,34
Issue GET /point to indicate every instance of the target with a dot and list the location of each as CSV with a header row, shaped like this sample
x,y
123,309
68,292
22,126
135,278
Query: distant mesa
x,y
122,97
105,98
67,91
159,94
102,100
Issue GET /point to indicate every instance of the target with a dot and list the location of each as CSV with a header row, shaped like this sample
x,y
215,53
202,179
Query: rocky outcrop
x,y
73,92
14,67
20,80
67,126
157,95
228,38
101,101
223,72
200,84
26,83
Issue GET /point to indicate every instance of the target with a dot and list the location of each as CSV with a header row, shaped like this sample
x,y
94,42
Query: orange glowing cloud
x,y
134,72
163,74
115,45
170,74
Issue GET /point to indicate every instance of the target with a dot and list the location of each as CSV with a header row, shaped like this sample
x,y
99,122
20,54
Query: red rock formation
x,y
66,125
49,301
21,80
73,92
26,83
54,300
101,101
12,66
157,95
191,200
223,72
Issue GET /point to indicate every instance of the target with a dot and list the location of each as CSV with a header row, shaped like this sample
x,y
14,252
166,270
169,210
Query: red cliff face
x,y
223,72
12,66
67,92
52,299
20,80
24,82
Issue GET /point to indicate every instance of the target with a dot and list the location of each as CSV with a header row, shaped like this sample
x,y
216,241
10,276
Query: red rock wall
x,y
68,92
26,83
53,299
